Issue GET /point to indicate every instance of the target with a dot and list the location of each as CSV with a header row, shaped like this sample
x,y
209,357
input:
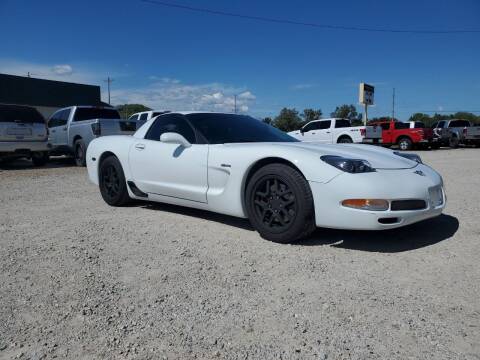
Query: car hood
x,y
378,157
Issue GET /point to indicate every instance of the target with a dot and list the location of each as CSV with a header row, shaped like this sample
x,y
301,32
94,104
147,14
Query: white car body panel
x,y
213,177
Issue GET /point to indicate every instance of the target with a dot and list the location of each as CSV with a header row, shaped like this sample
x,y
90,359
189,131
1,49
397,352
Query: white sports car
x,y
239,166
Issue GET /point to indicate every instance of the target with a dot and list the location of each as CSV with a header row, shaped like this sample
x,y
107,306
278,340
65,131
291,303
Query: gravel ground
x,y
80,279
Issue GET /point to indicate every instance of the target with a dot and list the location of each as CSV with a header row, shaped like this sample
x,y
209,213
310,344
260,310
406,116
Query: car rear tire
x,y
112,183
453,142
404,144
40,158
279,204
80,153
345,140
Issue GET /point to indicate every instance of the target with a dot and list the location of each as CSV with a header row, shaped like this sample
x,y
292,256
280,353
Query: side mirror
x,y
302,131
174,138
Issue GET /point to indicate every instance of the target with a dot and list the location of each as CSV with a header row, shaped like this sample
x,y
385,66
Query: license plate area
x,y
19,131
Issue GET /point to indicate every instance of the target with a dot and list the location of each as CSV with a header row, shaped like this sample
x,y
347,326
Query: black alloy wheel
x,y
279,204
113,186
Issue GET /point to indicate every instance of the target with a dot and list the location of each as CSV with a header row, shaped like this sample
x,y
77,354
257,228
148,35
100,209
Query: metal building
x,y
46,95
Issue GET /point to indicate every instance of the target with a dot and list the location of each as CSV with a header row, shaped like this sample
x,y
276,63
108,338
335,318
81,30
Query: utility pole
x,y
393,104
108,81
235,103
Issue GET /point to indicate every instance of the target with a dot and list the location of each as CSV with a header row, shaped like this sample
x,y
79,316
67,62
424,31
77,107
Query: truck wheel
x,y
405,143
40,158
80,152
453,142
112,183
279,204
344,140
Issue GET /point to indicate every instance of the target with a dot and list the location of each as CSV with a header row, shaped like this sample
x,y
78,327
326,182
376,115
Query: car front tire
x,y
113,185
405,144
279,204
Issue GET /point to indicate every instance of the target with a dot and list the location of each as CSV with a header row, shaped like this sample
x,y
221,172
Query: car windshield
x,y
229,128
23,114
95,113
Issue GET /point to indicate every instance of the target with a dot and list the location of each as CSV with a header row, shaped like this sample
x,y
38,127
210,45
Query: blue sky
x,y
177,59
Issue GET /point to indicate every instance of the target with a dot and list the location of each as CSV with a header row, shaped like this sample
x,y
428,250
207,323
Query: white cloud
x,y
62,69
176,96
303,86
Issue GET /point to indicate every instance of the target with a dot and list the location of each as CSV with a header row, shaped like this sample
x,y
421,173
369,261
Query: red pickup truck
x,y
400,133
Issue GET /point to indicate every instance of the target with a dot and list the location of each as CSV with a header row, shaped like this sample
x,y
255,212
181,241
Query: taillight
x,y
363,131
96,129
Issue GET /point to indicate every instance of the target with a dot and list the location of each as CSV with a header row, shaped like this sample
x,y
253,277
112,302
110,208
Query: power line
x,y
301,23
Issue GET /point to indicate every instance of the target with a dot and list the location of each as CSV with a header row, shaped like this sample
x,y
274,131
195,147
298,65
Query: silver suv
x,y
23,133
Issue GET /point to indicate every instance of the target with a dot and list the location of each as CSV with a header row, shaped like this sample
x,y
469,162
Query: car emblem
x,y
419,172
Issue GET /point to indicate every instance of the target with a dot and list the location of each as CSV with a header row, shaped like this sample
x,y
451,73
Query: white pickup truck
x,y
334,130
71,129
141,118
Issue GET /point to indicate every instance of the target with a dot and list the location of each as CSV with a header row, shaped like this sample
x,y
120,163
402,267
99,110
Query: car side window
x,y
310,126
143,116
441,124
459,123
321,125
385,126
401,125
171,123
342,123
58,119
133,118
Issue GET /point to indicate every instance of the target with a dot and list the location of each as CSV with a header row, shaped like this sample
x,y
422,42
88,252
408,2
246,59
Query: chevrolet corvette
x,y
239,166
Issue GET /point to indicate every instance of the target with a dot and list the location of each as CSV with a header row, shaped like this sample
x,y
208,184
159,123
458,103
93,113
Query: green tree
x,y
126,110
311,114
345,112
268,120
288,120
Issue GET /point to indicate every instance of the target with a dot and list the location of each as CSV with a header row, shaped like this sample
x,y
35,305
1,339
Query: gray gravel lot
x,y
80,279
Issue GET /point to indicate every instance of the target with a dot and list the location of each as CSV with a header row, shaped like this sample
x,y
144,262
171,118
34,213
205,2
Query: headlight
x,y
413,157
352,166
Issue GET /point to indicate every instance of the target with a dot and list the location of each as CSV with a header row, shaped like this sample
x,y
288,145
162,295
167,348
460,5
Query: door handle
x,y
328,132
140,146
313,133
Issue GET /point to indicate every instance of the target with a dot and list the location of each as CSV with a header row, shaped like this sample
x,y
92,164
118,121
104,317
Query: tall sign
x,y
366,98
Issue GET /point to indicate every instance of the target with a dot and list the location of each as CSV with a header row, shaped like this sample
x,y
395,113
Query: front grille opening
x,y
389,220
415,204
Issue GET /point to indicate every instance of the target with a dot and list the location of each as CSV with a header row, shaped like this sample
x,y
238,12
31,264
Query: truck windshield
x,y
83,114
23,114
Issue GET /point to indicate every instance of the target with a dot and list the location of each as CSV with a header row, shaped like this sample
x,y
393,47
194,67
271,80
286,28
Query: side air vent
x,y
136,190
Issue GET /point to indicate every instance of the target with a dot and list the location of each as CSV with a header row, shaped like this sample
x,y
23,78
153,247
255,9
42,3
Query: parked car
x,y
403,135
454,132
239,166
141,118
23,133
73,128
332,131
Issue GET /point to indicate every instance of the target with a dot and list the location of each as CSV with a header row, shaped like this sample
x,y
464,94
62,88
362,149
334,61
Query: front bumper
x,y
23,146
383,184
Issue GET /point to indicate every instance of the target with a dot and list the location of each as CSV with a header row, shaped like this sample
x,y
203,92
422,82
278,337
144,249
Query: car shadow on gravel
x,y
202,214
25,164
416,236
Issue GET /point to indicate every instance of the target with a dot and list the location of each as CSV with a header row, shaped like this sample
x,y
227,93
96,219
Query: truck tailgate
x,y
373,132
472,132
116,127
